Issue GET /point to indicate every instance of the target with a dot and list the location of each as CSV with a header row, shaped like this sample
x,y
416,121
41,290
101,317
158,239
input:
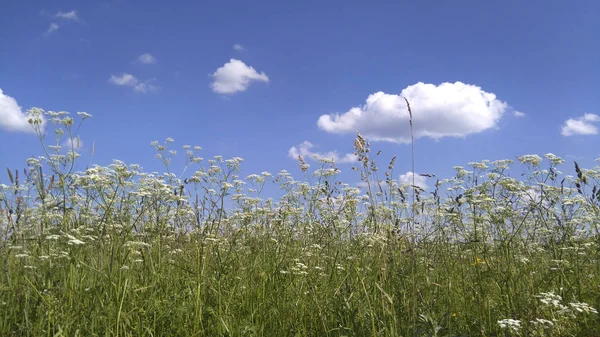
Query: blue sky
x,y
486,79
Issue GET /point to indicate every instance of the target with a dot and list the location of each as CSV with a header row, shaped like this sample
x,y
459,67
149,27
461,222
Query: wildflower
x,y
550,298
83,115
532,159
542,322
74,241
479,166
555,160
300,265
502,164
583,307
493,176
136,244
512,324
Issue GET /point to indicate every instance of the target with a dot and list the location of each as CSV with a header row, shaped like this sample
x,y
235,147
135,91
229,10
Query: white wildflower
x,y
583,307
554,159
512,324
532,159
550,298
542,322
73,240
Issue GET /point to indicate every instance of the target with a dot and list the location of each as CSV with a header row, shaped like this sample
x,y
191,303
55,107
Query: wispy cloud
x,y
238,47
60,15
72,15
11,116
51,29
235,76
147,58
305,150
580,126
445,110
518,114
128,80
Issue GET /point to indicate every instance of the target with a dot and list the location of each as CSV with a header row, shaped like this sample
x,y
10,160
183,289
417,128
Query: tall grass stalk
x,y
412,226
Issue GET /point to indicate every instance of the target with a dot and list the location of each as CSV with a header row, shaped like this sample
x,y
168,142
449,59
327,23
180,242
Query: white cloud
x,y
52,28
238,47
581,126
72,15
11,116
518,114
77,143
129,80
447,110
305,151
532,194
407,178
125,79
147,58
235,76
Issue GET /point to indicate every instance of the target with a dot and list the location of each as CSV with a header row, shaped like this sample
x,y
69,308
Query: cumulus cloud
x,y
518,114
305,150
580,126
72,15
407,178
235,76
446,110
11,116
147,58
128,80
238,47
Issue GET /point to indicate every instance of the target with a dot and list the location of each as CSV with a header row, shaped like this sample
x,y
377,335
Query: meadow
x,y
503,248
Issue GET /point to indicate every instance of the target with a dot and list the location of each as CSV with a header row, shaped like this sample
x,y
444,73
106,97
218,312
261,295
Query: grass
x,y
114,251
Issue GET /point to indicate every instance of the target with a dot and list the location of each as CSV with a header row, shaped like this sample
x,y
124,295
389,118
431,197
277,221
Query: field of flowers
x,y
115,251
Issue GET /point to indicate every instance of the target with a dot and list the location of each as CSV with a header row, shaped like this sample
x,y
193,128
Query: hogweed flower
x,y
74,241
83,115
583,307
513,325
532,159
542,322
